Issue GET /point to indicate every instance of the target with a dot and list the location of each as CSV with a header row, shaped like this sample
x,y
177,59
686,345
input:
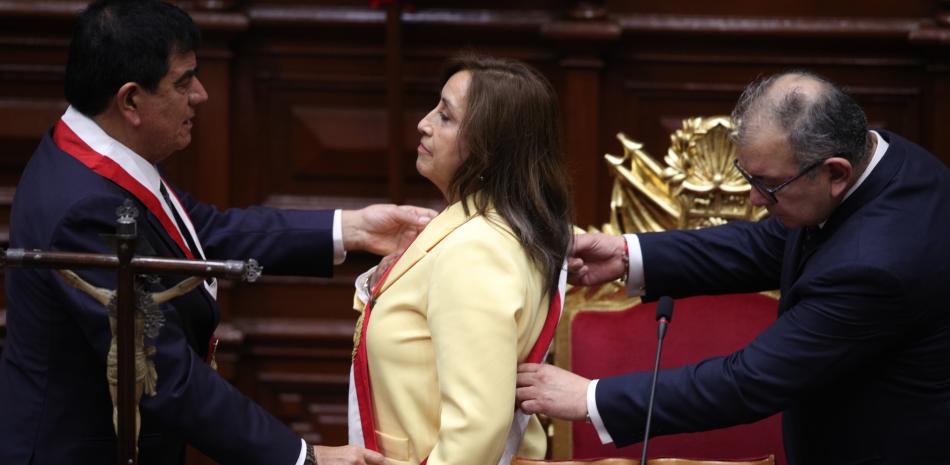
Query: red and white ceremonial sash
x,y
68,141
72,144
362,425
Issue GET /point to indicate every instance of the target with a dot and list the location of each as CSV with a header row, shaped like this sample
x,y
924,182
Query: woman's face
x,y
440,149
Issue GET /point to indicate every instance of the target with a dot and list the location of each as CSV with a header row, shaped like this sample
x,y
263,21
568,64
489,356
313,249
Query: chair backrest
x,y
604,332
769,460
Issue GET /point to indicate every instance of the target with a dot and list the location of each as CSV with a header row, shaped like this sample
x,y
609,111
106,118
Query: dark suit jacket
x,y
54,401
859,357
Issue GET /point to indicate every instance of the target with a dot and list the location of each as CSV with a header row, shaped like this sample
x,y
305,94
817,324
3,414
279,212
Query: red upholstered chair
x,y
604,332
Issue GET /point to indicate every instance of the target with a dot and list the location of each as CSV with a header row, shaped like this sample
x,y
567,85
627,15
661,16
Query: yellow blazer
x,y
460,309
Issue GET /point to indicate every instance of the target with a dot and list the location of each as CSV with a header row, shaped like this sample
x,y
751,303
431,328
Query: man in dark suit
x,y
132,87
859,357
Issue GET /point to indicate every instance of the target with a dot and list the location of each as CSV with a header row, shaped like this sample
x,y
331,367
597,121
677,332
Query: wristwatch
x,y
310,459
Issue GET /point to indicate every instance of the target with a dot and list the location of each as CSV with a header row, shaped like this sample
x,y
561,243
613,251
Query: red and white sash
x,y
362,427
71,134
76,135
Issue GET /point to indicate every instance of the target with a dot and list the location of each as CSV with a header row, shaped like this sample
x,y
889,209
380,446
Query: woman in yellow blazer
x,y
439,344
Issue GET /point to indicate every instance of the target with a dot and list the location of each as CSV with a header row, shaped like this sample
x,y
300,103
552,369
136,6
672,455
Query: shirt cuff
x,y
635,281
594,414
339,253
303,449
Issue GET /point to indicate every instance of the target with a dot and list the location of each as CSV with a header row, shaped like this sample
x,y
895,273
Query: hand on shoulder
x,y
383,229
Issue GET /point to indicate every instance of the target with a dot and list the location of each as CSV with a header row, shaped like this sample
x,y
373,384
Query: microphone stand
x,y
664,314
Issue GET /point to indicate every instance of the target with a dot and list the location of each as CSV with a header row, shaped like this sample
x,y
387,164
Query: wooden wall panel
x,y
778,8
298,117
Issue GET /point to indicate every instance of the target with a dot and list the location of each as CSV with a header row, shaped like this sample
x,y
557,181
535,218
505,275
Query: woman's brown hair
x,y
512,131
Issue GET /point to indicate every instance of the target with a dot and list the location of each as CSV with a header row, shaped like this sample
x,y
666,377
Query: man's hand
x,y
552,391
347,455
383,229
595,259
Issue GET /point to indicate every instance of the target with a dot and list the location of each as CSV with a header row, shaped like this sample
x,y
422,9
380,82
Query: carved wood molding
x,y
792,27
303,381
936,33
268,16
582,22
43,10
741,58
319,342
296,330
596,31
931,35
606,27
208,15
679,88
220,21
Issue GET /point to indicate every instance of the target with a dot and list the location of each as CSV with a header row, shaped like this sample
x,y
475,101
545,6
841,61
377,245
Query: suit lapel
x,y
171,249
159,231
440,227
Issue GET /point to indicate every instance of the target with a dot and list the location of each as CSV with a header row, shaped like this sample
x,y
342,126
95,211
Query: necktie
x,y
181,224
181,227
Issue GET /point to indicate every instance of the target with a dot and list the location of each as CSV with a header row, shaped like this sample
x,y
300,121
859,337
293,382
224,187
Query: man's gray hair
x,y
827,124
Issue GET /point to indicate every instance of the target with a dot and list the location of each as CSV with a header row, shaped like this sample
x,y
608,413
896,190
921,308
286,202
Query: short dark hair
x,y
827,124
120,41
512,130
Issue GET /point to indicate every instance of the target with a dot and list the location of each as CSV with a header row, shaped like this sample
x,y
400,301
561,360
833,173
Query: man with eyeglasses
x,y
859,356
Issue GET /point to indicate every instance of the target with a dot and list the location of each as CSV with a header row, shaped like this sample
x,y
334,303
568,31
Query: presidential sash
x,y
362,427
73,145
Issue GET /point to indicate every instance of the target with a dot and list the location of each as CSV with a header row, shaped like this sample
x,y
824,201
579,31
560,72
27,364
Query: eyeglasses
x,y
769,192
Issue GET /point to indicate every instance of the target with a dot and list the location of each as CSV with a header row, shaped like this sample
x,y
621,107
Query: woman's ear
x,y
128,99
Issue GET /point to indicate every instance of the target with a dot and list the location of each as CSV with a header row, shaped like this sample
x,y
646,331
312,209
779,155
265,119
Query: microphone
x,y
664,315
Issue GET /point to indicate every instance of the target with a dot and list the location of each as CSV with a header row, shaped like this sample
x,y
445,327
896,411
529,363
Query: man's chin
x,y
183,142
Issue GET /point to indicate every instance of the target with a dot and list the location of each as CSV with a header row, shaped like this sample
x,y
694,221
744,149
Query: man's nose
x,y
198,93
758,199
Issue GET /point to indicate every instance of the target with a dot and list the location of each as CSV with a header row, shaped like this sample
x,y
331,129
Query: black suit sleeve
x,y
733,258
285,242
847,316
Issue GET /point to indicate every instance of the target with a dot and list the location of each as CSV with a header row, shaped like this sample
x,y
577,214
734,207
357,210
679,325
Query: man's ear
x,y
839,175
127,99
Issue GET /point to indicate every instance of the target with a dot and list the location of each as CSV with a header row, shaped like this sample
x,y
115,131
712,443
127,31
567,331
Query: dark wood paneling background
x,y
298,117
